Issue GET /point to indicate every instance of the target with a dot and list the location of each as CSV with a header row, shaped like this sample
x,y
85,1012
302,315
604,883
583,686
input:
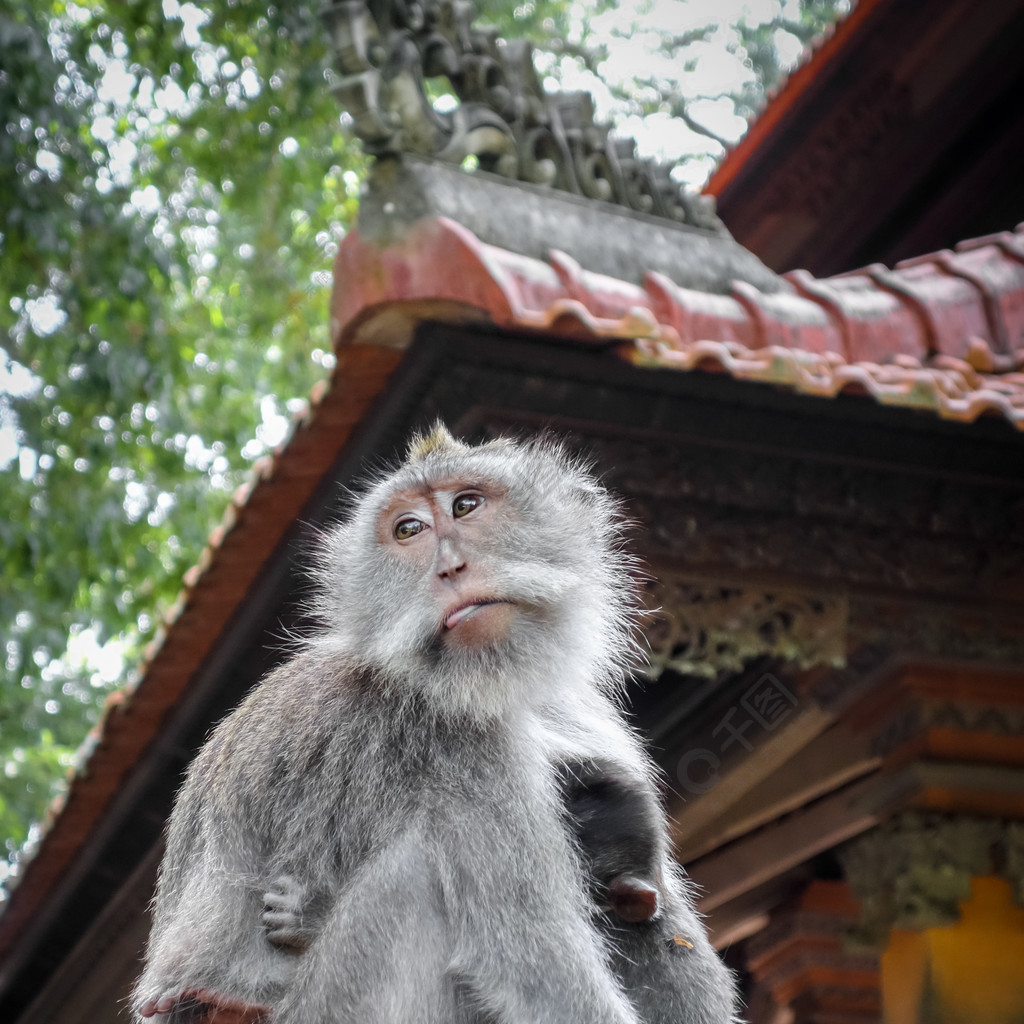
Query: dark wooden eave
x,y
903,133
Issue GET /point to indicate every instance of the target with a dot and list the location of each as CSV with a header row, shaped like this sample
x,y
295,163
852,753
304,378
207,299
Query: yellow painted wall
x,y
971,972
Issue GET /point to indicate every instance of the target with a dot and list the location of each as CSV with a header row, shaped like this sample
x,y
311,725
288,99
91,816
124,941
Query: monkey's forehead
x,y
505,469
432,490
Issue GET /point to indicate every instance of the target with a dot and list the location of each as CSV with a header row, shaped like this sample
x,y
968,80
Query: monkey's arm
x,y
210,958
290,925
208,948
617,822
668,967
659,948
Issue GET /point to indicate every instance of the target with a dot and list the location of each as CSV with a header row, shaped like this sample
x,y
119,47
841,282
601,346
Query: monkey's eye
x,y
465,503
406,529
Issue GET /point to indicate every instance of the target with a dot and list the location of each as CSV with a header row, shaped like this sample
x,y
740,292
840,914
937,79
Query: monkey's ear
x,y
438,440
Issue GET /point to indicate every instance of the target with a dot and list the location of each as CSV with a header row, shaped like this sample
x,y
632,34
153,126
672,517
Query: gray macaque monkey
x,y
435,812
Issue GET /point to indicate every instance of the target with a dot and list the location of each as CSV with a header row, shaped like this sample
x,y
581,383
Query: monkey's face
x,y
446,534
483,575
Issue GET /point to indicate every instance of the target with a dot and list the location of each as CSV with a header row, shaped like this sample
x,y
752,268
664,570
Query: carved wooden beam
x,y
775,849
719,768
887,862
835,758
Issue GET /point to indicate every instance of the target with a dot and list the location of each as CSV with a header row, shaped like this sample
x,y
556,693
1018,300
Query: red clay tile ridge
x,y
943,332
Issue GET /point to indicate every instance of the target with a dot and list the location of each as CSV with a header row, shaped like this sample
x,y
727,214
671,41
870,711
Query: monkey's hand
x,y
633,899
202,1006
288,929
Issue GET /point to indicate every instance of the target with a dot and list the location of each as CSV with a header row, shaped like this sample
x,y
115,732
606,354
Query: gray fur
x,y
378,833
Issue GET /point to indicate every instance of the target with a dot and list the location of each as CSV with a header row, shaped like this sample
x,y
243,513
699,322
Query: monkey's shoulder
x,y
299,705
313,682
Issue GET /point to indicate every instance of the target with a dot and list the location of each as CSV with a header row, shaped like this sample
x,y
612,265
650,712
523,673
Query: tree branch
x,y
678,109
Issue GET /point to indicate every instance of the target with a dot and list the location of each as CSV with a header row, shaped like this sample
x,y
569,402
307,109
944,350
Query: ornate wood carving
x,y
386,50
703,629
915,870
936,632
857,525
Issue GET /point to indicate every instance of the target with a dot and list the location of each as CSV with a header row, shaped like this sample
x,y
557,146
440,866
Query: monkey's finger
x,y
281,901
291,940
282,909
162,1004
227,1010
281,919
285,887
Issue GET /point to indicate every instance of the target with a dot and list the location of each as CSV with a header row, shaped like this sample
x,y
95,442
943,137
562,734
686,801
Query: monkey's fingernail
x,y
680,941
633,899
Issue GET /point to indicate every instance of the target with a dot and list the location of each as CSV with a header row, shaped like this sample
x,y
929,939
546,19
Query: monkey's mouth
x,y
465,611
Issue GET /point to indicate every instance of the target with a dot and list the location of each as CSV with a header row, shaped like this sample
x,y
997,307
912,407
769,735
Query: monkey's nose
x,y
449,559
449,568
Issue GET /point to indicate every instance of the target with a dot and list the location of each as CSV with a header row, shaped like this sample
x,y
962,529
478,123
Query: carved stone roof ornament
x,y
386,50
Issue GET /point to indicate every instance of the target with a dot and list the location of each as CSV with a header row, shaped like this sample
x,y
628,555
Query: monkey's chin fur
x,y
511,666
493,661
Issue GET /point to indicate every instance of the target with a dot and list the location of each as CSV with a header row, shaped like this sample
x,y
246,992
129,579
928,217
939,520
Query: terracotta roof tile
x,y
943,332
874,323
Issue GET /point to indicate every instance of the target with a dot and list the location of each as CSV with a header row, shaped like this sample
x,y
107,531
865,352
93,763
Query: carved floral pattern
x,y
386,50
703,629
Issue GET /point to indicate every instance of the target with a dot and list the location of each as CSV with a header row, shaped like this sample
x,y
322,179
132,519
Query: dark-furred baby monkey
x,y
440,787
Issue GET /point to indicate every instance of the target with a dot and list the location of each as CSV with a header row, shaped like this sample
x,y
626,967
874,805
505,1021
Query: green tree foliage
x,y
173,185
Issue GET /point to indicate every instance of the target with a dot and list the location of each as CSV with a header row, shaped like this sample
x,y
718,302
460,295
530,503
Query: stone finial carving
x,y
915,870
386,50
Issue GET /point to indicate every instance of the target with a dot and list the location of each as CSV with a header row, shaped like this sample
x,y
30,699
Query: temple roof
x,y
943,332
